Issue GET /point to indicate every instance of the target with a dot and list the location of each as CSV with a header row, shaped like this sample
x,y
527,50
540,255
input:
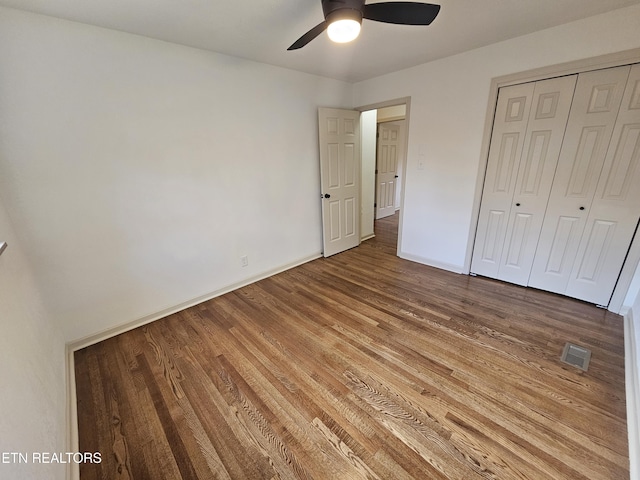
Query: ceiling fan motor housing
x,y
342,9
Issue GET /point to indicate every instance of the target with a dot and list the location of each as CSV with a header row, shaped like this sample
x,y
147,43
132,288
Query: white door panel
x,y
545,131
507,140
593,115
386,169
614,214
339,132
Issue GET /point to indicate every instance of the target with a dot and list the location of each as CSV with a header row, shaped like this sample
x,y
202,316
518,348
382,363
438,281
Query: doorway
x,y
387,116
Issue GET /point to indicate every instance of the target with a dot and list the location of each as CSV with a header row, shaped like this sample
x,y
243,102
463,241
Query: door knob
x,y
326,195
517,204
581,208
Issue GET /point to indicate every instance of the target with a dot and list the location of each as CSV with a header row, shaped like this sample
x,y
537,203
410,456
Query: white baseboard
x,y
73,470
125,327
432,263
367,237
632,381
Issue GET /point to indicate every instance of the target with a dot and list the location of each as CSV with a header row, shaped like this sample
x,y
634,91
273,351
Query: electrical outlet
x,y
244,261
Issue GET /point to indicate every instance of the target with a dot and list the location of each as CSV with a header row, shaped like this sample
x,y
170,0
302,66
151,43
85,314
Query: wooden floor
x,y
362,365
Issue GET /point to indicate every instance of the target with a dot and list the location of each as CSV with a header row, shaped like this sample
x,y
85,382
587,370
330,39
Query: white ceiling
x,y
261,30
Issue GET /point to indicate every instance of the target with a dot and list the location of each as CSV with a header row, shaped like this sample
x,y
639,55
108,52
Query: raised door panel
x,y
596,103
615,210
545,130
505,150
386,169
340,181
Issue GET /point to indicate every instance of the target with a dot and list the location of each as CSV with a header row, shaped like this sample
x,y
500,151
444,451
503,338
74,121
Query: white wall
x,y
448,106
32,397
138,172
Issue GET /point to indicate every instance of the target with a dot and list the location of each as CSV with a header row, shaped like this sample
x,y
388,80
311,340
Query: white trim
x,y
584,65
626,277
367,237
392,119
432,263
632,381
482,169
386,103
73,469
125,327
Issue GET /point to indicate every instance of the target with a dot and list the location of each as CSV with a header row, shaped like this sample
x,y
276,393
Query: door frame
x,y
569,68
391,103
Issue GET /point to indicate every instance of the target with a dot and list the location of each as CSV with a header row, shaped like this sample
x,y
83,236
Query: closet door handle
x,y
581,208
517,204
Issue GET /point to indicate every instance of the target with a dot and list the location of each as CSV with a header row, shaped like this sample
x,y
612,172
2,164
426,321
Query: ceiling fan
x,y
342,18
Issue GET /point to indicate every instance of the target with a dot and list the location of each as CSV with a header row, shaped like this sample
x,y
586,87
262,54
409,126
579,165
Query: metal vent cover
x,y
576,355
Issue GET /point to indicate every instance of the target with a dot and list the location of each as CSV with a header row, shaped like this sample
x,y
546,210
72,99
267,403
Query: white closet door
x,y
593,115
545,132
615,210
507,140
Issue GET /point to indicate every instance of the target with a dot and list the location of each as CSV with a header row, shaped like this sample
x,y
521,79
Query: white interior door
x,y
591,123
339,135
386,169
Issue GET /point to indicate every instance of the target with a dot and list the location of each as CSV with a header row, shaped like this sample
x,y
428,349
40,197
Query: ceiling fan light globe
x,y
344,30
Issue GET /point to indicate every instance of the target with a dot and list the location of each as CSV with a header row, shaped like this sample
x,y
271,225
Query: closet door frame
x,y
626,57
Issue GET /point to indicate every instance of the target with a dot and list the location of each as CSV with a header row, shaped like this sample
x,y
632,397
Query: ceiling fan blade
x,y
402,13
310,35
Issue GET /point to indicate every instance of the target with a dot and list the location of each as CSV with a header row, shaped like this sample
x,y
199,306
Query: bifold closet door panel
x,y
507,139
615,211
595,107
545,131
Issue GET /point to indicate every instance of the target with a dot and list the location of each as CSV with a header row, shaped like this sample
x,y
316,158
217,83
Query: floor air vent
x,y
576,356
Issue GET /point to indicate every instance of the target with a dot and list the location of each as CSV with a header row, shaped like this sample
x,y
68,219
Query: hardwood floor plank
x,y
91,408
361,365
225,429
